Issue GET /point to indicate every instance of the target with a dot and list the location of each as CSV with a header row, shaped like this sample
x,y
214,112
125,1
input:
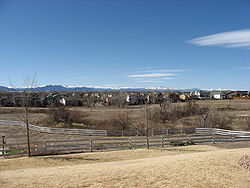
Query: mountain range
x,y
59,88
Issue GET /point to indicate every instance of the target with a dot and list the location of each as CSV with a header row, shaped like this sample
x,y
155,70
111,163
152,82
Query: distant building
x,y
218,95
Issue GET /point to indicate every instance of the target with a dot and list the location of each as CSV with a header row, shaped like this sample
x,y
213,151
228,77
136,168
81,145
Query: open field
x,y
239,109
135,111
189,166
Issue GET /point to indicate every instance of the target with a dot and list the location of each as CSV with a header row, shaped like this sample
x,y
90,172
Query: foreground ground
x,y
189,166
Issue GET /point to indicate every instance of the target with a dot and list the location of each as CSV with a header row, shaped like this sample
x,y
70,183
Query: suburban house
x,y
218,95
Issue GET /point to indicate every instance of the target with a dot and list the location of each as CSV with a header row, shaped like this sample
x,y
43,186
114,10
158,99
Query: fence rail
x,y
91,145
222,132
92,132
86,132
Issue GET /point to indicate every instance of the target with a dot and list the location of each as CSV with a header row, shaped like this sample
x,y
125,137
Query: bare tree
x,y
211,117
119,99
26,101
29,84
204,113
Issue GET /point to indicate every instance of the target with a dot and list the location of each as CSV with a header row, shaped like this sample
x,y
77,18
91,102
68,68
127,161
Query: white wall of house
x,y
218,96
63,101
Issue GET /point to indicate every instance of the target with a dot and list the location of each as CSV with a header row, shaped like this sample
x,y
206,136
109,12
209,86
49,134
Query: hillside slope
x,y
215,168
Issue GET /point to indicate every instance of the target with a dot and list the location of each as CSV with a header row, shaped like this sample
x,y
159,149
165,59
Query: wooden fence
x,y
118,143
85,132
102,133
222,132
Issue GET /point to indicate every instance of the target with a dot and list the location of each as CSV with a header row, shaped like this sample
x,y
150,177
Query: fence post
x,y
213,139
3,142
152,132
51,146
162,142
233,139
122,132
190,139
130,143
137,132
91,145
45,148
147,142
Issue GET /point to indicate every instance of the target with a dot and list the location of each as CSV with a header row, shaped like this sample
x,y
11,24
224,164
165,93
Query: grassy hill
x,y
190,166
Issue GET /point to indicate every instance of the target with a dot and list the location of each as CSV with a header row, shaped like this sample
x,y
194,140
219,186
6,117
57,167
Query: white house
x,y
218,95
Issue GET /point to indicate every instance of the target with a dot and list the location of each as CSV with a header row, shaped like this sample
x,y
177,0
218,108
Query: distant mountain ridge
x,y
60,88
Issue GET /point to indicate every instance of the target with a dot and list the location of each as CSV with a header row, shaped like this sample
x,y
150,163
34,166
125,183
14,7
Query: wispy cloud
x,y
245,68
150,75
232,39
167,70
168,78
149,81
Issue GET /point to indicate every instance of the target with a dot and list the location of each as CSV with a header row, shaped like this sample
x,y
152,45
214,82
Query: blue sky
x,y
137,43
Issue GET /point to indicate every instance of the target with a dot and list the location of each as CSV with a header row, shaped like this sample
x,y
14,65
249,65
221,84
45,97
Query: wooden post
x,y
27,130
147,132
233,139
130,143
45,148
3,142
162,142
51,147
213,139
137,132
122,132
91,145
189,138
152,132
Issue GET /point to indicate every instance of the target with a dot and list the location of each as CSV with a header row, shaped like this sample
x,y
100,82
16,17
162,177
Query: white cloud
x,y
168,78
149,81
232,39
150,75
166,70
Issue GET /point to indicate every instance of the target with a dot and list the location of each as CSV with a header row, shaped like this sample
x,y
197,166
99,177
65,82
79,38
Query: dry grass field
x,y
238,108
189,166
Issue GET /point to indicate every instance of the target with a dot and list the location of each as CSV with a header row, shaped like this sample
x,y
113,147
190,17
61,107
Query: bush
x,y
170,112
119,122
66,116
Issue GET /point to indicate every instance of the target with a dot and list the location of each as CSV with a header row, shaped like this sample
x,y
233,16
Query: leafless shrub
x,y
169,112
119,122
246,123
210,117
119,100
66,116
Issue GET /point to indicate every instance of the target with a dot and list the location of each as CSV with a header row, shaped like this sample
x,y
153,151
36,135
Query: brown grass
x,y
238,108
191,166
